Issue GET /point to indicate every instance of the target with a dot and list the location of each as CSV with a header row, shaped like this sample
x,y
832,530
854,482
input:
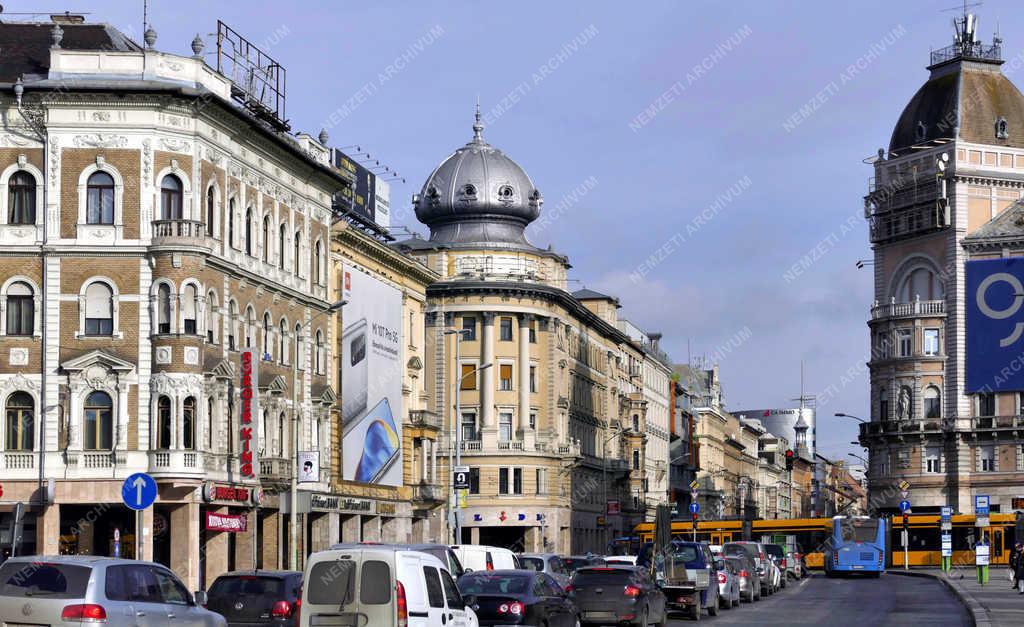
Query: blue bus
x,y
858,546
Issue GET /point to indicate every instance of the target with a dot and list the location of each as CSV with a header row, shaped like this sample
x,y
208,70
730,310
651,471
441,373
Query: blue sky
x,y
693,213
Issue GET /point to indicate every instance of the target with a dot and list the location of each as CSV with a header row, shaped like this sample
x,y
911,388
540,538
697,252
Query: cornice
x,y
384,254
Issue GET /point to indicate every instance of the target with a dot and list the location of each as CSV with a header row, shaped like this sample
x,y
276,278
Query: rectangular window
x,y
474,480
932,456
533,379
505,426
505,377
931,342
517,481
533,420
503,481
533,332
987,404
904,340
541,481
469,426
987,458
883,346
468,378
468,328
506,329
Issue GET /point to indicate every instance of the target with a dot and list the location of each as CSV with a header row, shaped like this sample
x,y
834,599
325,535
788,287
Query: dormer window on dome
x,y
506,193
469,191
921,131
1002,129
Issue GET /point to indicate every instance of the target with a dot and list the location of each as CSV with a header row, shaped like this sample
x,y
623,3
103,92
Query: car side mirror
x,y
469,599
467,570
720,564
200,598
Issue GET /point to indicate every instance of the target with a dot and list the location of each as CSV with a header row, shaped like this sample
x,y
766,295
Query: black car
x,y
575,562
261,597
618,594
509,597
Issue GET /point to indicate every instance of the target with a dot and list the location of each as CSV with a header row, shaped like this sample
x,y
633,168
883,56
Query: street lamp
x,y
859,457
453,505
842,415
293,524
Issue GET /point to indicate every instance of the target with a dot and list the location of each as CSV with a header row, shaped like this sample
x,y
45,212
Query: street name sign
x,y
460,478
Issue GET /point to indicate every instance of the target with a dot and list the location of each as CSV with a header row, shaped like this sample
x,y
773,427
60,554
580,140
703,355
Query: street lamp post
x,y
859,457
293,524
453,504
842,415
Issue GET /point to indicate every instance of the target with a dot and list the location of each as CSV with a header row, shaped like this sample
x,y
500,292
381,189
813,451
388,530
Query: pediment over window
x,y
275,384
415,363
220,369
99,358
324,394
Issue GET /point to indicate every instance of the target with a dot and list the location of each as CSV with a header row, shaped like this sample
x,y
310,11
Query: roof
x,y
26,46
589,294
1005,228
963,100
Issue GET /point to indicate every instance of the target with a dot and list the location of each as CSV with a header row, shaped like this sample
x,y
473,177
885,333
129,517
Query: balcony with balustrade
x,y
276,470
177,463
428,493
180,233
18,464
883,312
426,419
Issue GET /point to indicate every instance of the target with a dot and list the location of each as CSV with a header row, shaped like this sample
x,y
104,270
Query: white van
x,y
482,557
385,585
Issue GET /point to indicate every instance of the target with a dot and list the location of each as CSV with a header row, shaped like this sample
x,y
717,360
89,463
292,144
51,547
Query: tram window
x,y
924,539
963,538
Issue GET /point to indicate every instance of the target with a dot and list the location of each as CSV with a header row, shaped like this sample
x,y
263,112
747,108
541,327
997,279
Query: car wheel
x,y
643,618
664,618
695,611
736,601
713,609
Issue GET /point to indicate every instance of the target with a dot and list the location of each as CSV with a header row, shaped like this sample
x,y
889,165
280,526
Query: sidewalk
x,y
993,604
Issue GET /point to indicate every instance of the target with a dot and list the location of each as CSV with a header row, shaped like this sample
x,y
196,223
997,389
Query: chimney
x,y
67,18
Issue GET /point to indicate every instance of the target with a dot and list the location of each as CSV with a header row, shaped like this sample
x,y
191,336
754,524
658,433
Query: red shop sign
x,y
249,393
234,523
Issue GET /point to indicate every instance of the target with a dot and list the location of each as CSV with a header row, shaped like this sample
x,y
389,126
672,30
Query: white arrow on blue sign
x,y
904,505
694,508
138,491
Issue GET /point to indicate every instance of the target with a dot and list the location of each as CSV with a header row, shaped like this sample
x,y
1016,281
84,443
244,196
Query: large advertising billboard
x,y
995,325
363,196
371,380
782,422
382,205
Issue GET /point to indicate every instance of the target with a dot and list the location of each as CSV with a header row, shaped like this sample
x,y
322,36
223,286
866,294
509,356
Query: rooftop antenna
x,y
804,399
145,15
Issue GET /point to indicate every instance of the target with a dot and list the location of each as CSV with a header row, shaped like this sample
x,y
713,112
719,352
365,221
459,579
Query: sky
x,y
701,161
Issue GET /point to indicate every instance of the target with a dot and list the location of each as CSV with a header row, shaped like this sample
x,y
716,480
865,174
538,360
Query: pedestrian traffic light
x,y
695,515
789,459
906,521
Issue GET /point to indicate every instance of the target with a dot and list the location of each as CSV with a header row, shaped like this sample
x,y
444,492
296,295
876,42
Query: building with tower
x,y
944,212
549,392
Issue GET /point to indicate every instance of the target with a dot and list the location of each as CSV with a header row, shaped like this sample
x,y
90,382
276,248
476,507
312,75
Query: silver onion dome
x,y
478,196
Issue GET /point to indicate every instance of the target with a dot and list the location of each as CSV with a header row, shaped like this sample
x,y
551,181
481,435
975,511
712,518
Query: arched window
x,y
99,199
282,342
209,424
299,353
163,308
636,423
210,211
297,257
932,407
98,431
20,423
266,239
250,326
211,317
920,283
164,424
170,198
266,337
99,309
188,423
248,231
264,420
280,435
883,404
319,353
21,309
316,263
21,199
189,307
231,223
282,236
233,323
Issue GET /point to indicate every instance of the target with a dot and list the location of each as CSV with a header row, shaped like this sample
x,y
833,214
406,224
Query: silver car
x,y
546,563
52,590
728,583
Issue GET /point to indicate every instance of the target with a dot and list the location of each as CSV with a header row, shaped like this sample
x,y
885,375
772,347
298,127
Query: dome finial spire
x,y
478,127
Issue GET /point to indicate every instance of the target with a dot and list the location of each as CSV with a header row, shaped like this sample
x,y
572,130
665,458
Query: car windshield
x,y
484,583
738,549
574,563
601,577
686,553
248,586
737,562
532,563
774,550
331,583
39,579
857,530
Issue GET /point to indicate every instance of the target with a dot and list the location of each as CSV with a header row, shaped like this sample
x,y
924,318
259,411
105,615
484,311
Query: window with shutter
x,y
189,306
99,310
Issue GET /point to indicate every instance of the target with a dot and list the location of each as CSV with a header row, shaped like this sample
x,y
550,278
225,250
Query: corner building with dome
x,y
550,390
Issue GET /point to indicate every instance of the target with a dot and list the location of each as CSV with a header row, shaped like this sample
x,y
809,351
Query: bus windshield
x,y
858,530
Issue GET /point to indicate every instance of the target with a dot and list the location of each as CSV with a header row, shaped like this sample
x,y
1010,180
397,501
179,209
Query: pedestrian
x,y
1018,570
1014,558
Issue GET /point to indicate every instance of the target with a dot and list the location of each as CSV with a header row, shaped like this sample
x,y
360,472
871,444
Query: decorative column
x,y
121,433
177,419
75,416
423,459
489,433
433,462
523,421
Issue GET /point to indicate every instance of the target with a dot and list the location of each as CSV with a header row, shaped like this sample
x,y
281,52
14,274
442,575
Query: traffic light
x,y
695,515
906,521
789,459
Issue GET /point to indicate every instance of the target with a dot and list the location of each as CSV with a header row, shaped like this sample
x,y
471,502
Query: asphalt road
x,y
857,602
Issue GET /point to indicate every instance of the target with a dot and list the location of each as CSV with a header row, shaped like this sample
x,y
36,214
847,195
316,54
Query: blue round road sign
x,y
694,508
138,491
904,505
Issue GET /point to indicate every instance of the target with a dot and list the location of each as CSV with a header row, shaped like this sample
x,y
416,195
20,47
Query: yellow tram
x,y
810,534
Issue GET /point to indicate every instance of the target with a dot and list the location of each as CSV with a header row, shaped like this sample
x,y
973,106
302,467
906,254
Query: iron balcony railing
x,y
972,50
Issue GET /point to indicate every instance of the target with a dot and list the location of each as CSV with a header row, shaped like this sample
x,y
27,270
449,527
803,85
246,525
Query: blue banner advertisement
x,y
995,325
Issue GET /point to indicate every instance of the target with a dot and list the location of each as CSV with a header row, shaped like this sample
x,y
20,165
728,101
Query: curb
x,y
979,615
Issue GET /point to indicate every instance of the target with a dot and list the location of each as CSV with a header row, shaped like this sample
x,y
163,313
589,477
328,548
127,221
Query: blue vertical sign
x,y
995,325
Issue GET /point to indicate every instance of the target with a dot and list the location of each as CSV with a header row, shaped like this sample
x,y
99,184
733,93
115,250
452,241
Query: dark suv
x,y
617,594
260,597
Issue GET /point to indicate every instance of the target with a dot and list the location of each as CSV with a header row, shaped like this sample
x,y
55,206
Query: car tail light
x,y
515,608
490,562
632,591
281,609
401,606
569,589
84,612
782,564
298,608
835,557
745,573
721,578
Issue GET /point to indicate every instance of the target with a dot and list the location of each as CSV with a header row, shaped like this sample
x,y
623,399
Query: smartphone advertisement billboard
x,y
371,380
